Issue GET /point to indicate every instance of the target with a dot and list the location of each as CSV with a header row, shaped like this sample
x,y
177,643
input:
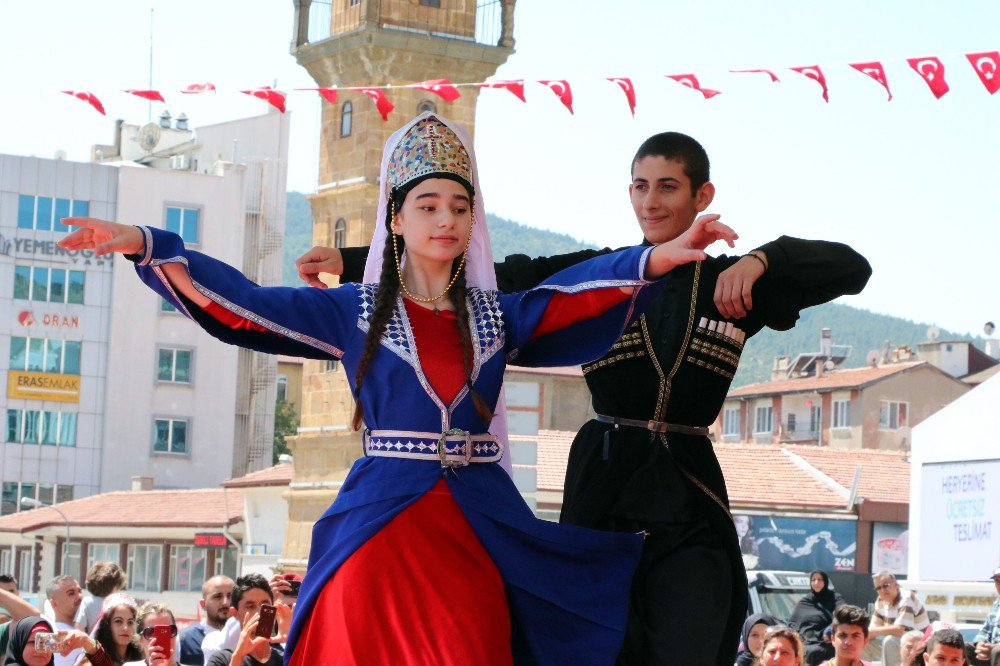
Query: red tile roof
x,y
143,508
553,452
830,381
762,475
885,475
279,475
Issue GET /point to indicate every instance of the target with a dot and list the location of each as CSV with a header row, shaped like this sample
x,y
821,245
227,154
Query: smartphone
x,y
163,635
46,642
294,592
265,621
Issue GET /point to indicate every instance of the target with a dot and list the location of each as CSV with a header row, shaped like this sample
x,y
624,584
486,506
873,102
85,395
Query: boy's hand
x,y
319,260
734,286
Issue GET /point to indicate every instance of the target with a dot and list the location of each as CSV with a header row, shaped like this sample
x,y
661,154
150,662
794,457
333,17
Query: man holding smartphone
x,y
252,605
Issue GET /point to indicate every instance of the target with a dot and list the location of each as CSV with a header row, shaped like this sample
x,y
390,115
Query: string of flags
x,y
931,69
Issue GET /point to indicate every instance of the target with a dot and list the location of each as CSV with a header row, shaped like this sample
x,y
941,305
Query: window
x,y
187,568
32,426
174,365
25,560
332,365
426,105
791,423
56,285
144,568
167,306
815,418
44,213
841,413
763,424
340,233
893,415
431,3
71,559
346,112
6,562
45,355
103,552
282,388
183,222
353,3
14,491
170,436
731,421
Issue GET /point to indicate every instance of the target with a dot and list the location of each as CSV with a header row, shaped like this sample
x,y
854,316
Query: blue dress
x,y
567,587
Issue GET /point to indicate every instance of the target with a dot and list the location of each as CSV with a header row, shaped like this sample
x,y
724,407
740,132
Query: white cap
x,y
996,572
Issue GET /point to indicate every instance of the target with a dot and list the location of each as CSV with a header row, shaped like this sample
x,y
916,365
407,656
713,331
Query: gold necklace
x,y
399,269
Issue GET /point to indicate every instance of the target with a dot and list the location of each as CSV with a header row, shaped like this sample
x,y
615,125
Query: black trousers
x,y
680,599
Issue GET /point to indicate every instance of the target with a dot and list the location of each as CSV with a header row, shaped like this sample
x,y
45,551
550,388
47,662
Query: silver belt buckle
x,y
443,452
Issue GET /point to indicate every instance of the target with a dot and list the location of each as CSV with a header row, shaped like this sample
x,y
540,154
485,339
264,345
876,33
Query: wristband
x,y
757,257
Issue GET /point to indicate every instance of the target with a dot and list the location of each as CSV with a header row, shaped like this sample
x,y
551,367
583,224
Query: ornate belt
x,y
653,426
452,448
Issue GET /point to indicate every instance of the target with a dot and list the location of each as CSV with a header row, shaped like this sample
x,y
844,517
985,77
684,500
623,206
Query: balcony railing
x,y
483,25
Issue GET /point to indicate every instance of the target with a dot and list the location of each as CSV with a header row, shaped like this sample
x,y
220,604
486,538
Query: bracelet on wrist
x,y
758,258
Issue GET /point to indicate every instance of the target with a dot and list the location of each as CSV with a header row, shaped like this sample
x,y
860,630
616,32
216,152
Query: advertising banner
x,y
43,386
797,544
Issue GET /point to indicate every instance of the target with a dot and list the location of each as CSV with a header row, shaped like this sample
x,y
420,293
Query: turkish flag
x,y
691,81
774,78
875,71
382,103
931,70
816,75
562,90
987,66
269,95
628,89
151,95
515,87
329,94
88,98
440,87
196,88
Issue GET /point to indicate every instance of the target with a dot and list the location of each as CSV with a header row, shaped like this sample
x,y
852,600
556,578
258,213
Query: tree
x,y
286,423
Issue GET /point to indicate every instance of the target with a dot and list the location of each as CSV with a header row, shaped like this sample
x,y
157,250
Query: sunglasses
x,y
883,586
147,632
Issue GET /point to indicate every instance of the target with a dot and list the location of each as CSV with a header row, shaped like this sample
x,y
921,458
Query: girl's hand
x,y
689,246
102,236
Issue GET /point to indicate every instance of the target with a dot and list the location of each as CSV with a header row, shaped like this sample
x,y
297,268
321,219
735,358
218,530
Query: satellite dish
x,y
873,357
933,333
829,365
148,136
989,328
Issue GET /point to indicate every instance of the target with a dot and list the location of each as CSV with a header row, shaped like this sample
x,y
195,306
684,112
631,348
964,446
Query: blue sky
x,y
910,183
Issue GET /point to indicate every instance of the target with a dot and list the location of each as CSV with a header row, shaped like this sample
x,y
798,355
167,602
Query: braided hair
x,y
385,302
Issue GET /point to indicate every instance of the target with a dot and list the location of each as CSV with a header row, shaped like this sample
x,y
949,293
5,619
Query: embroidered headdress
x,y
427,146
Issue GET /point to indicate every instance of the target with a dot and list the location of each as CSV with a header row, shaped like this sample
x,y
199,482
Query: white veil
x,y
479,269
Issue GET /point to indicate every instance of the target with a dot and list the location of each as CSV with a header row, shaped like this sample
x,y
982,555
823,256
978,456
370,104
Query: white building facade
x,y
55,312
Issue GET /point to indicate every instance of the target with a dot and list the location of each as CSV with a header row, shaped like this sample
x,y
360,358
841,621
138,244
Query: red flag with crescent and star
x,y
931,70
562,90
87,97
516,87
382,103
774,78
816,74
151,95
691,81
440,87
626,85
198,88
269,95
987,66
876,71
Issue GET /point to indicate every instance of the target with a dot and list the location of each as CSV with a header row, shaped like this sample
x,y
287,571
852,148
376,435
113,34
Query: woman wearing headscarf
x,y
752,639
21,646
429,554
813,614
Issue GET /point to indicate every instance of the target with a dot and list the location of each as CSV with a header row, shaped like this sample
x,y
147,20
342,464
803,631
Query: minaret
x,y
371,42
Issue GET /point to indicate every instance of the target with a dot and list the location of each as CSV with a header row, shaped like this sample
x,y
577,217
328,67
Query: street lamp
x,y
35,504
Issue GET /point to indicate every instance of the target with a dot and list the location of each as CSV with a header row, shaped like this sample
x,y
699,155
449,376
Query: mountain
x,y
861,329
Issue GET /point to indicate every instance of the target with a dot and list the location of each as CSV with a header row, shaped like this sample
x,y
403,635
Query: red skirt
x,y
423,590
